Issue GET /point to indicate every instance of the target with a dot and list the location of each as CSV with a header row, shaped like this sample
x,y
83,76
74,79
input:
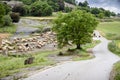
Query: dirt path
x,y
95,69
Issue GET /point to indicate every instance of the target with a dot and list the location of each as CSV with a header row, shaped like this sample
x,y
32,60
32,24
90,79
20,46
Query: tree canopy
x,y
75,27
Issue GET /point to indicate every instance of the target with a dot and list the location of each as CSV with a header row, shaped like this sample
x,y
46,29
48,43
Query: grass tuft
x,y
8,29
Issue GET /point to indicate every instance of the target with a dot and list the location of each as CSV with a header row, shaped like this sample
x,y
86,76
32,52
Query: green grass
x,y
90,45
114,47
82,54
10,64
111,30
117,71
8,29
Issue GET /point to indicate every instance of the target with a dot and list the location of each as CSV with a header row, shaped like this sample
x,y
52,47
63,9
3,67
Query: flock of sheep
x,y
27,44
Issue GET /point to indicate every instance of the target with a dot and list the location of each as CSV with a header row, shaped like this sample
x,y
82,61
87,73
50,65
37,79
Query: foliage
x,y
107,13
54,5
68,9
41,8
75,27
83,4
117,71
28,2
15,17
100,15
70,1
114,46
95,11
61,5
19,9
7,20
2,13
7,8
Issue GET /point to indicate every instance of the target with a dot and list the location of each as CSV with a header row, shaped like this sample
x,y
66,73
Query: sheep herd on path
x,y
27,44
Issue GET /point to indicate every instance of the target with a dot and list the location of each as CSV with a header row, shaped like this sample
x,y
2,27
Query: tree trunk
x,y
78,46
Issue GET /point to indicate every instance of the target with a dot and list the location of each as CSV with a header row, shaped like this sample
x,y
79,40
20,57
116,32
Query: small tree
x,y
83,4
75,27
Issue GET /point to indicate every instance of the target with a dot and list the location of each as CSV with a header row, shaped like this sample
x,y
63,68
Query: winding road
x,y
95,69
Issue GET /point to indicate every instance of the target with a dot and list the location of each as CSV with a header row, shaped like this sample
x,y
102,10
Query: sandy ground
x,y
3,36
95,69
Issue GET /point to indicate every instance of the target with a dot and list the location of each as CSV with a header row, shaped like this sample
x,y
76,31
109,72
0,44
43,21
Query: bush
x,y
115,72
7,8
114,46
2,13
20,9
27,8
41,8
68,9
7,20
15,17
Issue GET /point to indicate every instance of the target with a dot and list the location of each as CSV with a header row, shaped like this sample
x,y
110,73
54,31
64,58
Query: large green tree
x,y
75,27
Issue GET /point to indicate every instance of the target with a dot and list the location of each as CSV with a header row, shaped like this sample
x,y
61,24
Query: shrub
x,y
116,71
68,9
15,17
41,8
114,46
27,8
7,8
20,9
7,20
2,13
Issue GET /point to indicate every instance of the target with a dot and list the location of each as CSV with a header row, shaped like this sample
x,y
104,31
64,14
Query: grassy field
x,y
111,30
13,64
